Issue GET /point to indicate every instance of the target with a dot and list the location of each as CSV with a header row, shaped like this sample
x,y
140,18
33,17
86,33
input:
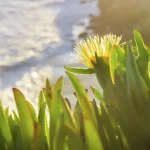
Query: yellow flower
x,y
86,49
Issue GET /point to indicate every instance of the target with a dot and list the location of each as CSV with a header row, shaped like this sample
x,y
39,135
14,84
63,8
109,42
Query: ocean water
x,y
36,38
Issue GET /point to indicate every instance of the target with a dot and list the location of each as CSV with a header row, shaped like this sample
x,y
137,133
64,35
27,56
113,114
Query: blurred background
x,y
37,37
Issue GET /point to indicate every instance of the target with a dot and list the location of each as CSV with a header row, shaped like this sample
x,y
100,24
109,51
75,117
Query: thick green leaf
x,y
132,127
102,71
32,111
13,127
98,95
69,122
68,118
19,142
116,61
7,112
60,138
39,140
113,63
26,121
110,130
90,122
41,99
123,140
5,130
43,122
75,140
2,142
80,70
67,102
42,116
142,52
121,54
101,130
90,129
48,94
143,57
80,91
55,110
16,118
78,115
137,88
47,131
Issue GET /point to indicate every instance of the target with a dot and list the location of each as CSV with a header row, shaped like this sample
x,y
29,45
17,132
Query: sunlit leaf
x,y
143,57
32,111
13,127
5,130
26,122
90,122
55,109
98,95
68,118
48,93
60,138
41,99
43,123
7,112
80,70
16,118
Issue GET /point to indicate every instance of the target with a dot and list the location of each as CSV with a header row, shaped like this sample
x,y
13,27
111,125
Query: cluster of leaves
x,y
58,129
125,101
120,122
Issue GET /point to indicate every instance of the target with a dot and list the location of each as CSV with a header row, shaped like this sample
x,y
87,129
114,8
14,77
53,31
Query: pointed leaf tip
x,y
16,90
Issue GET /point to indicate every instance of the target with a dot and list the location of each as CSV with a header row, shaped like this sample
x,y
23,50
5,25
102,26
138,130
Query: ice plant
x,y
87,49
121,122
122,71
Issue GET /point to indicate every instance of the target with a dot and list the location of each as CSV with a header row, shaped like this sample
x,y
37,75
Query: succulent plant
x,y
119,122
